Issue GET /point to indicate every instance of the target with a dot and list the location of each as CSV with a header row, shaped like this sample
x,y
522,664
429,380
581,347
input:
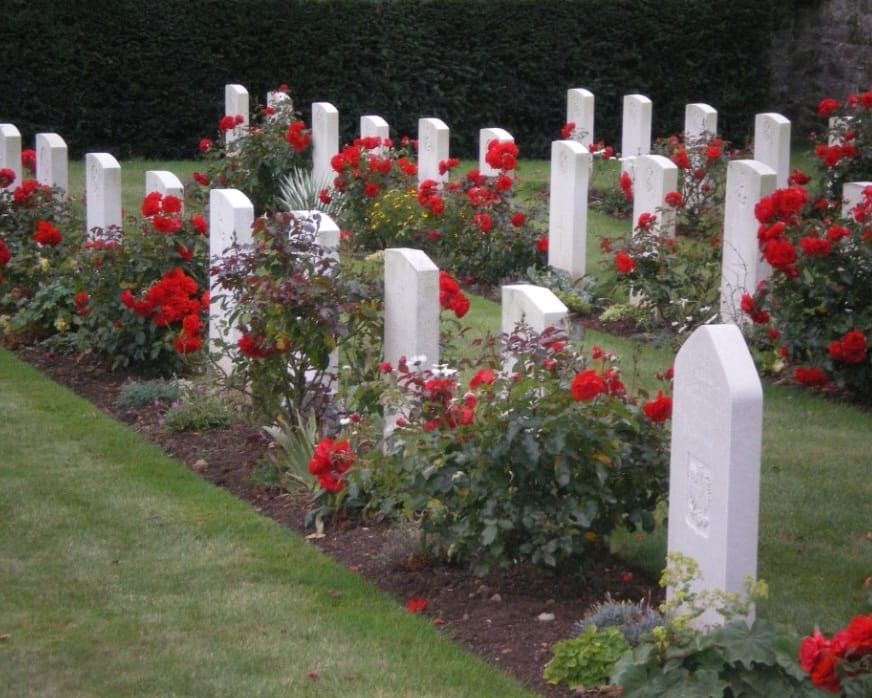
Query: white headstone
x,y
52,161
231,215
837,126
580,111
636,129
485,137
742,267
571,165
772,144
325,141
102,192
852,195
432,149
236,103
714,472
372,126
656,176
10,152
164,182
535,306
278,99
411,306
700,122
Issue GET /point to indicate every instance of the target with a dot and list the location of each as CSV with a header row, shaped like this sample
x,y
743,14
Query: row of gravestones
x,y
717,407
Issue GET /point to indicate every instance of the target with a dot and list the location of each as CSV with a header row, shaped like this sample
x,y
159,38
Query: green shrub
x,y
585,661
199,409
141,393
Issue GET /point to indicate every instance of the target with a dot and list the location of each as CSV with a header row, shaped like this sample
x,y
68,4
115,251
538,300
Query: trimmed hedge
x,y
147,78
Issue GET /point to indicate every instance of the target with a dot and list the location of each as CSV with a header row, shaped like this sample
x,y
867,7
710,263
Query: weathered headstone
x,y
102,193
837,126
772,144
700,122
165,183
411,306
231,215
571,165
10,152
742,267
236,103
636,129
485,137
433,137
580,111
852,195
52,161
325,141
535,306
278,99
714,476
656,176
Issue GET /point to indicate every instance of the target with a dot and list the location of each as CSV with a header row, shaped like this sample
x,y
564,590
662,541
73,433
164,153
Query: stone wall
x,y
823,50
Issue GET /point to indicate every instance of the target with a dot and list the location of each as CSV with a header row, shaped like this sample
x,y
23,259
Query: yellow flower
x,y
61,325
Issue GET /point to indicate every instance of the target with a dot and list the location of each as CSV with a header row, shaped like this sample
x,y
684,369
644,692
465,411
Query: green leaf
x,y
746,645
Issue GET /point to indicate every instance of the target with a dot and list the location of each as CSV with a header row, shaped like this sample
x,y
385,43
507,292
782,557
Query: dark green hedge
x,y
147,78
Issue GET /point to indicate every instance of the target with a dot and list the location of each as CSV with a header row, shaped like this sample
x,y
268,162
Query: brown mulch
x,y
497,616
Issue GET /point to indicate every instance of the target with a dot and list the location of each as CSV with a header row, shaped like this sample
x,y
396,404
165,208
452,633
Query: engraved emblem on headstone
x,y
699,495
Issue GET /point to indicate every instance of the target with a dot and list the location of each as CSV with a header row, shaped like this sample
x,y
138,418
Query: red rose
x,y
815,247
646,221
813,377
586,386
827,106
151,204
681,159
798,177
385,367
416,605
171,204
673,199
226,123
542,244
659,409
253,347
851,349
626,185
371,189
482,377
483,221
459,305
780,253
518,219
298,137
624,263
201,179
28,159
199,223
47,234
205,144
7,177
566,131
166,224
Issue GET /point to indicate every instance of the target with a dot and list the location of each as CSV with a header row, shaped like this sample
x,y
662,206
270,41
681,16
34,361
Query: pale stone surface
x,y
700,121
372,126
485,136
655,177
772,144
535,306
714,477
411,306
52,161
236,102
231,215
580,111
10,152
852,194
742,266
278,99
325,141
102,193
433,138
571,165
166,183
636,129
837,124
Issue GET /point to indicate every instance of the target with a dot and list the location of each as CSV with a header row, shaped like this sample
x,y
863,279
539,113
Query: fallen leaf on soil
x,y
545,617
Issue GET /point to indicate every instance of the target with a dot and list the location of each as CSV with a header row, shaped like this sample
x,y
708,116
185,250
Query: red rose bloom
x,y
626,185
201,179
681,159
416,605
298,137
624,263
482,377
459,305
815,247
566,131
371,189
586,386
542,244
798,177
205,144
673,199
151,204
813,377
199,223
851,349
659,409
483,221
254,347
780,253
827,106
28,159
7,177
646,221
518,219
226,123
47,234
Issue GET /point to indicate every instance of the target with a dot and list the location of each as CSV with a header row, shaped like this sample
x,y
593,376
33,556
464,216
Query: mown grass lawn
x,y
123,573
